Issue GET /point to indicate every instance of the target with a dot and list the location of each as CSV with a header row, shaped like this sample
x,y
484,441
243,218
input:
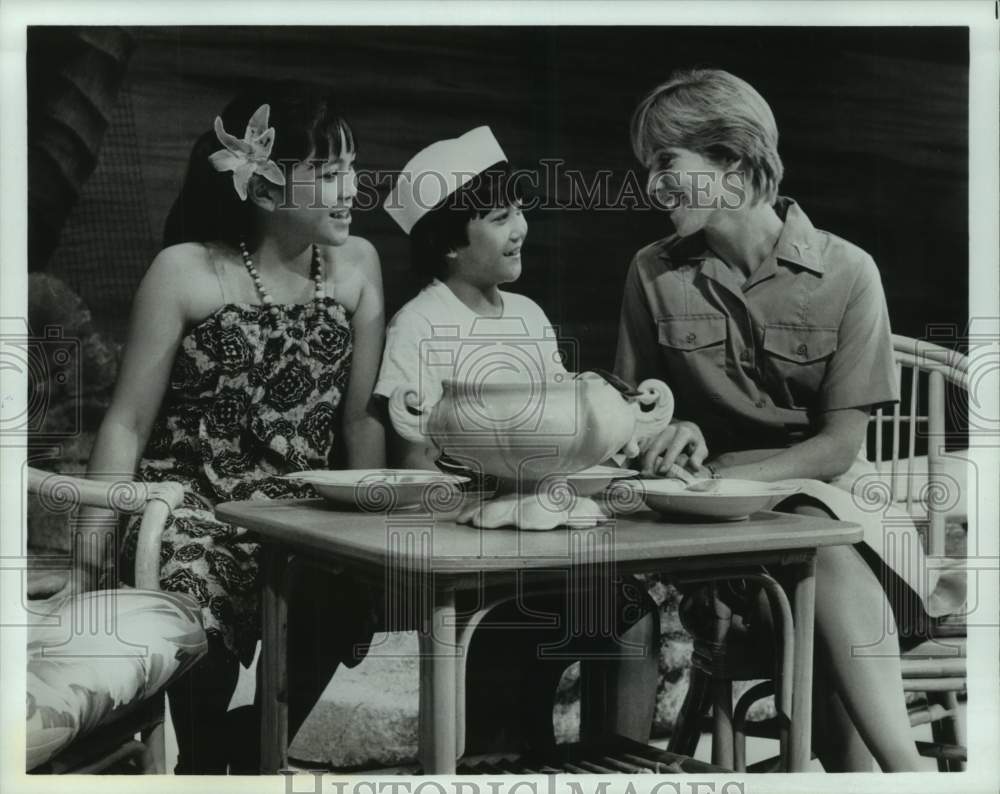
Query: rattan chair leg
x,y
154,758
948,730
687,729
722,722
756,692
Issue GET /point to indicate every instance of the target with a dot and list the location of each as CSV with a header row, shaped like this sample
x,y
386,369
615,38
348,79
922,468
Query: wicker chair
x,y
933,383
99,662
906,447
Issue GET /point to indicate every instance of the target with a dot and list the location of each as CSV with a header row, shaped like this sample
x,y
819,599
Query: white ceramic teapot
x,y
525,431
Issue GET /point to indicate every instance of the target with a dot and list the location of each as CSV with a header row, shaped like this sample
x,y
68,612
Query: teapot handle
x,y
406,416
652,421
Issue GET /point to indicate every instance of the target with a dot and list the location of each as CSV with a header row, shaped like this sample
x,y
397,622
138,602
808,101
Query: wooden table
x,y
422,560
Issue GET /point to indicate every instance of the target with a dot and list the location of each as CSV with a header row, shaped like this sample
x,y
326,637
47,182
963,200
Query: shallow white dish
x,y
595,479
378,490
727,500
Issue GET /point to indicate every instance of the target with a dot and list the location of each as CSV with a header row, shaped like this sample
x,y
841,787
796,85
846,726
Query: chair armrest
x,y
928,356
63,492
147,552
155,500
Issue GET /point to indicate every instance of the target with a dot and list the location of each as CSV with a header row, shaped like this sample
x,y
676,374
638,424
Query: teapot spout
x,y
654,406
627,389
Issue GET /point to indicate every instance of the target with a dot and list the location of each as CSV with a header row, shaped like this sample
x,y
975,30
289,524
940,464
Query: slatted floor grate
x,y
615,756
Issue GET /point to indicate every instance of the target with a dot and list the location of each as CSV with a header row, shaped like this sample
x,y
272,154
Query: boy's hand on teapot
x,y
680,447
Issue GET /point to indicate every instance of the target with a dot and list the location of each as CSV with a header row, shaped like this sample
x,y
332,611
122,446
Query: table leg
x,y
803,606
438,748
273,660
464,631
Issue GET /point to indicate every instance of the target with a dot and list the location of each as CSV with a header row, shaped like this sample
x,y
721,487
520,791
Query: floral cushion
x,y
94,657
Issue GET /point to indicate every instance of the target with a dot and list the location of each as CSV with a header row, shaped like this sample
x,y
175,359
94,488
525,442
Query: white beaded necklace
x,y
319,293
265,297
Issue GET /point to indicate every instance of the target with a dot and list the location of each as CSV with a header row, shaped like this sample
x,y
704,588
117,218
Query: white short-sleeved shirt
x,y
436,337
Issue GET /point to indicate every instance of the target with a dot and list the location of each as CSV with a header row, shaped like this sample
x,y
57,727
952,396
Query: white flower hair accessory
x,y
248,156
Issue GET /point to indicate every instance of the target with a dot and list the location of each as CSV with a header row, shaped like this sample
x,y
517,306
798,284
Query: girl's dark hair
x,y
445,227
307,124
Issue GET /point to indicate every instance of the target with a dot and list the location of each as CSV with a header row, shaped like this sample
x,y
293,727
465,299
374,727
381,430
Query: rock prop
x,y
71,373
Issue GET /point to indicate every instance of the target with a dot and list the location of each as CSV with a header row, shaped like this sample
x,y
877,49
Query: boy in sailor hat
x,y
458,202
457,199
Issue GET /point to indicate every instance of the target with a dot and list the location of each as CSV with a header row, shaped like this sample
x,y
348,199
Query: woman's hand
x,y
677,451
678,472
170,493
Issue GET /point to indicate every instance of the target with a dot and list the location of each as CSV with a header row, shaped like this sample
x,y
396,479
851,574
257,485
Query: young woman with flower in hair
x,y
254,345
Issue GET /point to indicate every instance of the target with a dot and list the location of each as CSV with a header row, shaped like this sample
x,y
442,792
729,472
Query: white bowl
x,y
728,500
380,490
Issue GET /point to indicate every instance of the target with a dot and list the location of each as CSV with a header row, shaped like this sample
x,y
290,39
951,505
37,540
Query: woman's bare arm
x,y
824,456
364,430
159,316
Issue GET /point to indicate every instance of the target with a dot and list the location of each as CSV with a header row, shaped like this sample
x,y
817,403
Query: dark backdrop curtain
x,y
873,128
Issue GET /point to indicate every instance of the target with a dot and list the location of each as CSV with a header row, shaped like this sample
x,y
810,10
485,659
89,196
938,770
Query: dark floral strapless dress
x,y
251,396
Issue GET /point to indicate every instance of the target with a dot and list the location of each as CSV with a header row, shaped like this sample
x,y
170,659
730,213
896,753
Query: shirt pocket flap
x,y
800,343
692,333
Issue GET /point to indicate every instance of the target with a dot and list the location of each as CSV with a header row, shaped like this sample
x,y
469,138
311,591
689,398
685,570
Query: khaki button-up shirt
x,y
754,361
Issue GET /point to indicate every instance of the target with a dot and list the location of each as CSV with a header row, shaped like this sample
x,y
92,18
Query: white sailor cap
x,y
436,172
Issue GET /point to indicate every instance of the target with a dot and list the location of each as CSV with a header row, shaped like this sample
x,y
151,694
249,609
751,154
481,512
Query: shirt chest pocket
x,y
798,356
695,340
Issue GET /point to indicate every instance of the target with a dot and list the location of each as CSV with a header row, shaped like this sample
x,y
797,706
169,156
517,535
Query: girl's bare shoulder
x,y
355,254
187,259
186,273
350,267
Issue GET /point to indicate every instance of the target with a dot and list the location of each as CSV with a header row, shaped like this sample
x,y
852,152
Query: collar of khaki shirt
x,y
797,245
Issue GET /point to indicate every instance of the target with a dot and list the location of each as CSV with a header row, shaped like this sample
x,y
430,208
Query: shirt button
x,y
691,337
802,350
745,355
